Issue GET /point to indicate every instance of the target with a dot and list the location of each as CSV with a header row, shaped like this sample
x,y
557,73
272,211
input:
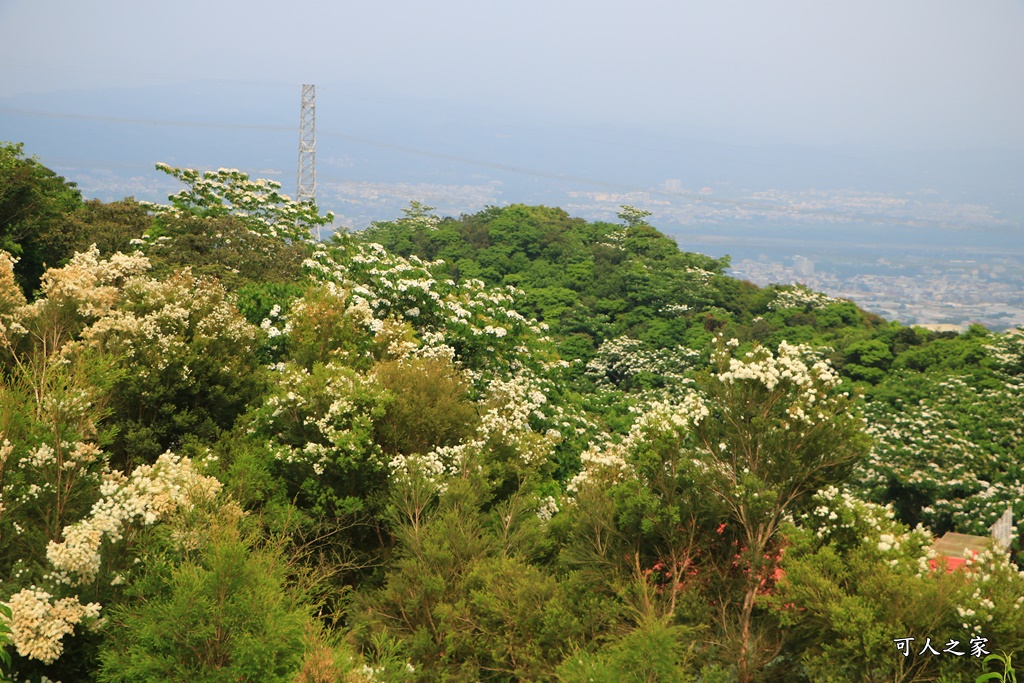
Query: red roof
x,y
956,548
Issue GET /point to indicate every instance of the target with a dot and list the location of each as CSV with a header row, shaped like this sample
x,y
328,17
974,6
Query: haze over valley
x,y
881,226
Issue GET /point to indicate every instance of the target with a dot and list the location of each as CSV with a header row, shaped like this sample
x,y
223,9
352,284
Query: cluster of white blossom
x,y
935,446
614,238
609,459
110,303
89,284
841,519
370,673
799,296
698,276
798,364
515,407
39,622
268,324
322,415
518,414
46,469
156,321
798,370
432,467
150,493
548,508
680,415
599,461
998,590
10,293
258,203
623,360
468,316
113,305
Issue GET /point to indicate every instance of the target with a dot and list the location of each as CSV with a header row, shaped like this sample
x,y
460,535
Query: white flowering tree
x,y
479,324
258,203
778,429
707,481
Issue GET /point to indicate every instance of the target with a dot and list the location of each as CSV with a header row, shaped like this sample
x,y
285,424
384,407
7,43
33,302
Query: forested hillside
x,y
507,446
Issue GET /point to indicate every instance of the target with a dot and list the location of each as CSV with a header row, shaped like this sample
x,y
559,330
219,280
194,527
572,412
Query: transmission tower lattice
x,y
306,190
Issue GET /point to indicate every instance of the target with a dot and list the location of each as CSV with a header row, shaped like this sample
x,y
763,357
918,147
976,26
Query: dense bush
x,y
231,614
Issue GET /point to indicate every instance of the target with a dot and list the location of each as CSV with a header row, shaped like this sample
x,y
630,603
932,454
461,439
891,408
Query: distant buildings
x,y
940,296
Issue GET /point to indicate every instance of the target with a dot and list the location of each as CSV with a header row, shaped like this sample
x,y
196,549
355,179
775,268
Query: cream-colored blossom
x,y
10,292
38,622
149,494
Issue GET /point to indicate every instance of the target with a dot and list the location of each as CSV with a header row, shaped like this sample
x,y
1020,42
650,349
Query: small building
x,y
958,548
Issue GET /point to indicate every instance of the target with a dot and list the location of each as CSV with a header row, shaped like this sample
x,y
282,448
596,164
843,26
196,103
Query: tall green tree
x,y
34,203
211,607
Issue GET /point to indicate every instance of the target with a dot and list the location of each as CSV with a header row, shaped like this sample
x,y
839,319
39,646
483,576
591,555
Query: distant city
x,y
946,295
931,262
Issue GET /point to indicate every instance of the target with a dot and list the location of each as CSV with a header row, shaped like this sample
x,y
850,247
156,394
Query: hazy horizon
x,y
929,74
847,134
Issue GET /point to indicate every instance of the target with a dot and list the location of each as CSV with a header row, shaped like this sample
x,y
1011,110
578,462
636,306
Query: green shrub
x,y
221,612
653,652
431,406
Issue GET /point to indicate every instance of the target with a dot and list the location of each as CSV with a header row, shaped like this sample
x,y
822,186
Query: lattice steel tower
x,y
306,189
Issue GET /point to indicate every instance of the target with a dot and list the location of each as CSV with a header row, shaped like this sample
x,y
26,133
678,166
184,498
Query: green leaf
x,y
992,676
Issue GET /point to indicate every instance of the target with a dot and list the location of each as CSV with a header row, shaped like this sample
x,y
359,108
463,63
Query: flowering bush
x,y
149,494
39,622
949,458
799,296
320,426
330,324
188,359
856,579
71,298
258,203
40,618
479,323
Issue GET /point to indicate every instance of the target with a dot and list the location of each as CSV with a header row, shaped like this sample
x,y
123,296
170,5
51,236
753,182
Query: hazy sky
x,y
937,73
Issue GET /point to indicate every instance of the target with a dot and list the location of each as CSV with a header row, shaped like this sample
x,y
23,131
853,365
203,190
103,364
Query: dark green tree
x,y
211,607
34,204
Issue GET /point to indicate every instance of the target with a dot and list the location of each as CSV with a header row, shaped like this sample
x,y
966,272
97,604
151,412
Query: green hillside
x,y
507,446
